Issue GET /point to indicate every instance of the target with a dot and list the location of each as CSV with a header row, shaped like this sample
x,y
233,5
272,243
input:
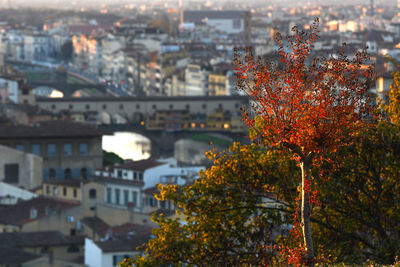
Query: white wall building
x,y
9,194
109,253
12,88
231,22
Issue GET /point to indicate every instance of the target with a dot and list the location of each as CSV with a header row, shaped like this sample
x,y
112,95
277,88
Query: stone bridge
x,y
162,141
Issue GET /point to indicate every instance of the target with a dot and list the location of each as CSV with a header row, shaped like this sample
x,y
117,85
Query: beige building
x,y
217,84
69,189
69,150
20,168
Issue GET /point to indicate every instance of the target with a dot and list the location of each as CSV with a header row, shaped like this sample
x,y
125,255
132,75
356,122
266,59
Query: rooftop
x,y
140,165
20,213
38,239
50,129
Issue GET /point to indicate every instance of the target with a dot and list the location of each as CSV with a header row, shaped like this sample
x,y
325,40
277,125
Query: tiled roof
x,y
96,224
140,165
127,244
38,239
50,129
15,257
131,228
20,213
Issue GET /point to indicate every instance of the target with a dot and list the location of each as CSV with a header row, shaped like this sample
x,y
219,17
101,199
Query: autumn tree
x,y
231,215
305,105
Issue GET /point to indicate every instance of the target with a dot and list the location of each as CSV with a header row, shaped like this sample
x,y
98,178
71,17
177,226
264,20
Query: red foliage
x,y
306,104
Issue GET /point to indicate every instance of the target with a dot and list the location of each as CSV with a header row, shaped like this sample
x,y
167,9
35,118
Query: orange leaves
x,y
319,103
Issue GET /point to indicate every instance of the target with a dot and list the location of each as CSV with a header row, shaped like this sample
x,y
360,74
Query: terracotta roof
x,y
38,239
127,244
50,129
15,257
20,213
140,165
131,228
96,224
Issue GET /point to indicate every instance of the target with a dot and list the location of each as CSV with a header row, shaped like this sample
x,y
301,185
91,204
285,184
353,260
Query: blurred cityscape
x,y
101,101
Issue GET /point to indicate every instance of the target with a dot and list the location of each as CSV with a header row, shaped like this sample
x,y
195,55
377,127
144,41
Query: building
x,y
69,189
69,150
20,168
10,195
40,214
109,253
228,21
52,245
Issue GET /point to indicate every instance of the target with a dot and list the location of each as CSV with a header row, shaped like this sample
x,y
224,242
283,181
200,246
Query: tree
x,y
67,50
360,210
231,213
307,106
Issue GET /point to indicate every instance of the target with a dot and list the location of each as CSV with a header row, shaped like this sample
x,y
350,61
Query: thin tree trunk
x,y
306,209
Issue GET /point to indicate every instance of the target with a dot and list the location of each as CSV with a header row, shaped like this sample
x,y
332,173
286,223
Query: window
x,y
237,23
140,176
67,173
73,249
67,150
52,173
92,193
87,107
134,175
84,173
220,106
25,92
154,106
75,193
109,195
126,197
47,190
134,198
55,191
64,191
83,149
11,173
204,106
187,106
53,106
117,196
33,213
104,106
20,147
137,106
36,149
171,106
152,202
51,150
71,106
119,174
121,106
